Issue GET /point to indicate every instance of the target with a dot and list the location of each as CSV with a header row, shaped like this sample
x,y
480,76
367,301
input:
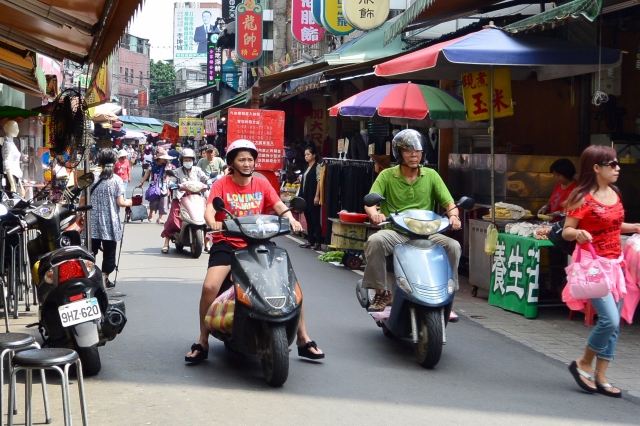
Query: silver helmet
x,y
407,139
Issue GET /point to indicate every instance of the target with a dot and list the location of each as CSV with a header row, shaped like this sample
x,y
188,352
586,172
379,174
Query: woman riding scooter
x,y
186,172
243,195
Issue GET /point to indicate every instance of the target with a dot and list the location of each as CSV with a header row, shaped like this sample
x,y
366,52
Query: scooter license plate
x,y
78,312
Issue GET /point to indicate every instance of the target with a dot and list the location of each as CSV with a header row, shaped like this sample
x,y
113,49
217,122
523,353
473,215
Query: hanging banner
x,y
365,14
477,96
98,92
249,31
190,126
229,9
303,25
142,97
332,18
265,128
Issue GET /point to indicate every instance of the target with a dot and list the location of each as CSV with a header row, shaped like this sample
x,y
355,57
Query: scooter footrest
x,y
379,316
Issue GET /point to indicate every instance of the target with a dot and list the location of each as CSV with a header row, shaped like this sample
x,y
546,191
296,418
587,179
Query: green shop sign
x,y
515,273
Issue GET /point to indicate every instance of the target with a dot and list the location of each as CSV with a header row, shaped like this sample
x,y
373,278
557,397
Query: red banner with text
x,y
265,129
249,31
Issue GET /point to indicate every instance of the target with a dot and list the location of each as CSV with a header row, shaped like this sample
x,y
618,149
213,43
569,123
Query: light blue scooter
x,y
424,295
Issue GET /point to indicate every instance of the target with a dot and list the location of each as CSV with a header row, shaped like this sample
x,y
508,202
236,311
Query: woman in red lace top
x,y
595,215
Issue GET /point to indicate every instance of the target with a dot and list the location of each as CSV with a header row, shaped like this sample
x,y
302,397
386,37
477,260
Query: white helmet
x,y
187,152
241,145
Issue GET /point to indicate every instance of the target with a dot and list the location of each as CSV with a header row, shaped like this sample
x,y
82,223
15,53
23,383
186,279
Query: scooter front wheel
x,y
274,354
429,347
197,242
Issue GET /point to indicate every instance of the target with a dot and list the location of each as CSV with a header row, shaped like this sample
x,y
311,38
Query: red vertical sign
x,y
142,98
303,25
265,129
249,31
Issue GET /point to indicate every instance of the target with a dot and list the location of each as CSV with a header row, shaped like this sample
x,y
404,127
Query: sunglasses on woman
x,y
613,164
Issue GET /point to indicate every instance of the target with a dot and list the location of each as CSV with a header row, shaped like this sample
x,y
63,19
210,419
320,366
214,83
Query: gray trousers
x,y
381,244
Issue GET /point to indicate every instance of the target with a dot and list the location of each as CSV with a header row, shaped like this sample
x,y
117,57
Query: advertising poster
x,y
249,31
365,14
262,127
191,127
191,27
316,125
303,25
477,96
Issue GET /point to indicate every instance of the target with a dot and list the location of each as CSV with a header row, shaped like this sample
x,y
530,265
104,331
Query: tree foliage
x,y
163,80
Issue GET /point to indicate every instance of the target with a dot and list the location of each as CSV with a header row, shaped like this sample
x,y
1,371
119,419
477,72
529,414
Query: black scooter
x,y
268,298
75,310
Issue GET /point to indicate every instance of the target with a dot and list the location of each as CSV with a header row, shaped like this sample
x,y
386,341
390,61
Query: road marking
x,y
295,239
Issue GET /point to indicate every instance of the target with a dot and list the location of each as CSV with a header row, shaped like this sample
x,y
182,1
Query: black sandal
x,y
202,354
304,351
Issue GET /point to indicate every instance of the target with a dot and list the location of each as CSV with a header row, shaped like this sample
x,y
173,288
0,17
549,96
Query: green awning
x,y
587,9
405,19
147,127
216,111
13,112
367,47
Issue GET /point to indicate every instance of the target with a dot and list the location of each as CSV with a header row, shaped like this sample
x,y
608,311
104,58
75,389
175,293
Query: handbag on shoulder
x,y
555,236
585,277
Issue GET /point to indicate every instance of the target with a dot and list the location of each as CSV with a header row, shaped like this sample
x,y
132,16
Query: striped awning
x,y
587,9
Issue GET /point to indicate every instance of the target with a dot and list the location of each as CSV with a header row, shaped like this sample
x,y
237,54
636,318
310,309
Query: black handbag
x,y
555,236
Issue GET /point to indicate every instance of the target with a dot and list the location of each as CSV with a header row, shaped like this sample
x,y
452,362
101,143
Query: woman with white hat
x,y
157,171
122,167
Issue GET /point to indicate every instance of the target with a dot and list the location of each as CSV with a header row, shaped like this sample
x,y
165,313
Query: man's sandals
x,y
201,356
305,351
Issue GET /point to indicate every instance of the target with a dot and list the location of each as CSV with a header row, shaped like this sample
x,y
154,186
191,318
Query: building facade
x,y
131,74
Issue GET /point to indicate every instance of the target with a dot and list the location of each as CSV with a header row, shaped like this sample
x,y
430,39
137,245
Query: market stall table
x,y
515,274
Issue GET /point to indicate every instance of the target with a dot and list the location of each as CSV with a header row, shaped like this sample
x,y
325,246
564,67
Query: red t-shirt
x,y
558,197
258,197
122,168
603,222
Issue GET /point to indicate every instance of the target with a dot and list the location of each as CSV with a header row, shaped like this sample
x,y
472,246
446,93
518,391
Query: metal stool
x,y
9,343
57,359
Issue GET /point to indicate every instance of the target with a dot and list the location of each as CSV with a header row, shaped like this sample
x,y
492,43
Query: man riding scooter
x,y
244,195
186,173
406,186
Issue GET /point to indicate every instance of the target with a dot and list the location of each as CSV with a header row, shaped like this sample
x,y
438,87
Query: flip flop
x,y
304,351
602,389
576,373
202,354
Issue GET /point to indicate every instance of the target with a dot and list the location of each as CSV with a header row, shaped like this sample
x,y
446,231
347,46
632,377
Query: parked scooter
x,y
74,310
267,294
192,225
424,295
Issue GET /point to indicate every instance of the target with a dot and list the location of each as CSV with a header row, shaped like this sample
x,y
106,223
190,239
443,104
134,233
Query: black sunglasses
x,y
613,164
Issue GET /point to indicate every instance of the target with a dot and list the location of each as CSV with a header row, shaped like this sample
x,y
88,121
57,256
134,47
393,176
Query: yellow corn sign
x,y
477,96
191,126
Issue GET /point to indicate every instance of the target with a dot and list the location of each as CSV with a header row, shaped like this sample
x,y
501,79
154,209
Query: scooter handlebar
x,y
84,208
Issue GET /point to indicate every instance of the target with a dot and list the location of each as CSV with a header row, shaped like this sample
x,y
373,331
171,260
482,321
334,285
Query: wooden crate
x,y
350,236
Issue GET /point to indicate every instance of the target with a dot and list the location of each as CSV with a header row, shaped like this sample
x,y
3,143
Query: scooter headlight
x,y
451,286
404,285
184,213
422,227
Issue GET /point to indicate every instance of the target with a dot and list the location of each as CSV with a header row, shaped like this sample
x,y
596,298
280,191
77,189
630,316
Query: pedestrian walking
x,y
157,173
122,168
107,195
310,191
595,215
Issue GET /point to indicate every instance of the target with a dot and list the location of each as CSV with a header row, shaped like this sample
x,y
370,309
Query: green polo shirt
x,y
423,193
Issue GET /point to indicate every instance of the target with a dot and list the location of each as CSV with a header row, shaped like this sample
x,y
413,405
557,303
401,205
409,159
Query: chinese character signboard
x,y
214,60
365,14
262,127
142,97
249,31
515,274
210,126
477,96
191,127
316,125
303,25
316,11
191,27
332,18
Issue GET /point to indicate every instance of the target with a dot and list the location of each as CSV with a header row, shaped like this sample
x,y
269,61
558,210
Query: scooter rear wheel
x,y
274,351
90,358
429,347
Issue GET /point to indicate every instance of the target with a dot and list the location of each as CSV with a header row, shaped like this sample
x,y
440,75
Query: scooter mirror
x,y
373,199
85,180
298,204
218,204
466,203
170,173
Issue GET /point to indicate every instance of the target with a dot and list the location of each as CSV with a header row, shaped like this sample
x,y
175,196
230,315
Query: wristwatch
x,y
454,215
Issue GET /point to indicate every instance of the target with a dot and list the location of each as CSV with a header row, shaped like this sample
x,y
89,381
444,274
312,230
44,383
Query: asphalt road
x,y
366,378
